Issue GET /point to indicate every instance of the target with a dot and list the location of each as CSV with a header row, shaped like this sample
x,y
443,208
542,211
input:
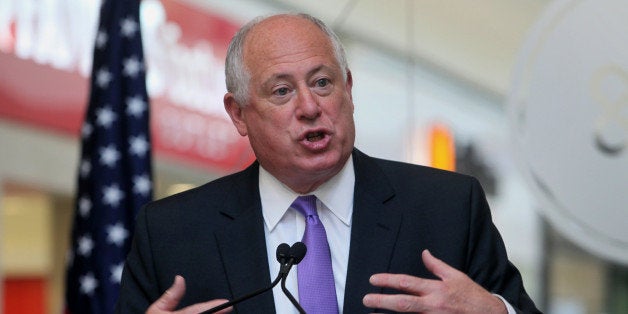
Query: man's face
x,y
299,118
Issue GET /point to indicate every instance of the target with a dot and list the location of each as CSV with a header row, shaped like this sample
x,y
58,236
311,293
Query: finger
x,y
202,307
437,267
401,282
169,300
394,302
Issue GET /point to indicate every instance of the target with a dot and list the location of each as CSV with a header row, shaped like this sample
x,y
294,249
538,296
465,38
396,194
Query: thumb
x,y
437,267
169,300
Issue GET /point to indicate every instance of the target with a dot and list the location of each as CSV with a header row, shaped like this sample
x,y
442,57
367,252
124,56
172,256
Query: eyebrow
x,y
281,76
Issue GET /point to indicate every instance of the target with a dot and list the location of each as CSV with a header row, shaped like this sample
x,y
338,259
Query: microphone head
x,y
283,253
297,252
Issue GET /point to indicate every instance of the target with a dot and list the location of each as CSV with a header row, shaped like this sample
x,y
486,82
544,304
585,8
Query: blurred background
x,y
491,88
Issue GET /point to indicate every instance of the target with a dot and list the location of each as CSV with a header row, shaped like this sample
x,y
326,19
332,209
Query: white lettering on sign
x,y
192,77
61,33
184,131
53,32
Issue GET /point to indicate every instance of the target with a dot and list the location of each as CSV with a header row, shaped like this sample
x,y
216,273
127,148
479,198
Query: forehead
x,y
285,39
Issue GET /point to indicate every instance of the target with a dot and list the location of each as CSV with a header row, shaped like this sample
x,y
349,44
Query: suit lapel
x,y
242,244
375,226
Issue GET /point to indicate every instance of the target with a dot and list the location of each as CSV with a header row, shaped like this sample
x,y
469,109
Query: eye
x,y
282,91
322,82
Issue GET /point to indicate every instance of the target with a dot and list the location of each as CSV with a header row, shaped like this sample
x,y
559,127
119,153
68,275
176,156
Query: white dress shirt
x,y
285,225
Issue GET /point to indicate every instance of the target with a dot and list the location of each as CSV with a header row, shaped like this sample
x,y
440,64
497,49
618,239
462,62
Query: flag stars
x,y
112,195
131,67
86,129
85,245
128,27
116,234
114,167
135,106
101,39
103,78
138,145
85,168
116,273
105,117
141,185
88,284
85,206
109,156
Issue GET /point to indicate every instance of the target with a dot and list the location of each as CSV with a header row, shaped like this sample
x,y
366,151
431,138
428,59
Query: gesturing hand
x,y
455,292
169,300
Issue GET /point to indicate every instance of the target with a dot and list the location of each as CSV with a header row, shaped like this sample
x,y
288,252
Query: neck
x,y
306,182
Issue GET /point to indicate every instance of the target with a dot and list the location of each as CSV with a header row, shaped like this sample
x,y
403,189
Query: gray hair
x,y
237,75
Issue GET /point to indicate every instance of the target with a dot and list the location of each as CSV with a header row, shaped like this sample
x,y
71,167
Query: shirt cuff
x,y
509,308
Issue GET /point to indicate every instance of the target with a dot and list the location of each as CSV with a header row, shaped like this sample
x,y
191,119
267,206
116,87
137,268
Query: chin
x,y
328,162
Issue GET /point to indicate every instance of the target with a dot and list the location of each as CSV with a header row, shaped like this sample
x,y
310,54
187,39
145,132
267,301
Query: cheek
x,y
344,115
270,125
345,123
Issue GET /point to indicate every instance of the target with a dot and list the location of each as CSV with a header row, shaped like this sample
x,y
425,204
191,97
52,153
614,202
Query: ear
x,y
349,86
235,113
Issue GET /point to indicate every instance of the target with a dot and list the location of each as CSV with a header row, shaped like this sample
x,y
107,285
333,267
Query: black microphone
x,y
283,253
292,257
297,251
296,254
284,257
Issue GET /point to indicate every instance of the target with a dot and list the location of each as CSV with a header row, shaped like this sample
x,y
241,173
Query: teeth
x,y
314,136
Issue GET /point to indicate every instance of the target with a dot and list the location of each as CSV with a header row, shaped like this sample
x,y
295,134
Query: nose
x,y
307,105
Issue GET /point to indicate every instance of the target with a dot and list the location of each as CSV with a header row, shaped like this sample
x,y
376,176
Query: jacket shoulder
x,y
402,174
209,197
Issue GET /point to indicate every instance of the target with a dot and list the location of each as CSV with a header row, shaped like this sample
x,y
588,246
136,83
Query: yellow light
x,y
442,148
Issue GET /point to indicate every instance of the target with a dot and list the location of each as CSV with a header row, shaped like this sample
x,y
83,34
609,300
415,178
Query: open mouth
x,y
314,136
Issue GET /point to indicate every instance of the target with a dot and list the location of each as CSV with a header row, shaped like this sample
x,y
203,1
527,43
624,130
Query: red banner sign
x,y
185,49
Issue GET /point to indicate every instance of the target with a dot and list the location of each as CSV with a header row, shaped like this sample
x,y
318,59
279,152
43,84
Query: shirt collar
x,y
335,194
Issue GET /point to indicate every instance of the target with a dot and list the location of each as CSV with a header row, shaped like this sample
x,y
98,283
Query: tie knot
x,y
306,205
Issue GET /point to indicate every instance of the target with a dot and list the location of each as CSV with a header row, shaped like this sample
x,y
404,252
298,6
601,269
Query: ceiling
x,y
476,41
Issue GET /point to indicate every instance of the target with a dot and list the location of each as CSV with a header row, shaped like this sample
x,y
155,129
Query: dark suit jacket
x,y
214,237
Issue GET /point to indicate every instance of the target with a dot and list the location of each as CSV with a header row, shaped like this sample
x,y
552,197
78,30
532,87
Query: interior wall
x,y
394,100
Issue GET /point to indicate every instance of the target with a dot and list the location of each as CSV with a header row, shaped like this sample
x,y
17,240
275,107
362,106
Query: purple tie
x,y
317,291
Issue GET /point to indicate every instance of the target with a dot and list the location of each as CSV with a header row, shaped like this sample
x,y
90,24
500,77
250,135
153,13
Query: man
x,y
289,91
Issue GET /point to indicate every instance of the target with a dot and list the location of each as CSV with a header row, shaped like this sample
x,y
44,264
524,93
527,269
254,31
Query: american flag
x,y
114,177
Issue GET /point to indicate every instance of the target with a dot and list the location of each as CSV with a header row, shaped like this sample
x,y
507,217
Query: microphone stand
x,y
287,256
296,253
288,294
283,251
